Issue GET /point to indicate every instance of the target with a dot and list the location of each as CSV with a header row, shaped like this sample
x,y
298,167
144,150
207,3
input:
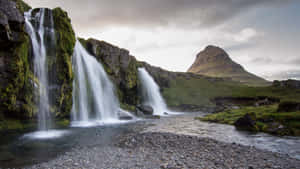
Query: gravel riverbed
x,y
174,143
166,150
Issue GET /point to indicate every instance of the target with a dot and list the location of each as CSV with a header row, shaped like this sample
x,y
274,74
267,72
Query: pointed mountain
x,y
215,62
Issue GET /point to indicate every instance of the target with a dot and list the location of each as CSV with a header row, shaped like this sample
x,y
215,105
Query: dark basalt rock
x,y
288,106
246,122
120,66
11,23
147,110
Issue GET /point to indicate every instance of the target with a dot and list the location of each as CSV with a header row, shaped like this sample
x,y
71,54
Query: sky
x,y
261,35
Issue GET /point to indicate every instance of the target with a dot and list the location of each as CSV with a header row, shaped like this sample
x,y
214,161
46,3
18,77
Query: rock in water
x,y
246,122
147,110
215,62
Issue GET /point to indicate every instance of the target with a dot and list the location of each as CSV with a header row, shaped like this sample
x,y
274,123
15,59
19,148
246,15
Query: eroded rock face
x,y
120,66
16,75
11,22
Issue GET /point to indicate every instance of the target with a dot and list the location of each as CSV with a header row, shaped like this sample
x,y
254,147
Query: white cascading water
x,y
39,27
94,100
150,93
37,33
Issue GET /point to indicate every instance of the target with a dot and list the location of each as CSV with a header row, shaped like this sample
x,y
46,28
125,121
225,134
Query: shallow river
x,y
17,150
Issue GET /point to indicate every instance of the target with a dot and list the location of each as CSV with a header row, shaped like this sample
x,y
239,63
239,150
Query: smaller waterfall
x,y
94,99
38,31
151,94
40,28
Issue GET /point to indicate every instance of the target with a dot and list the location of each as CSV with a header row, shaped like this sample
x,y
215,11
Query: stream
x,y
19,149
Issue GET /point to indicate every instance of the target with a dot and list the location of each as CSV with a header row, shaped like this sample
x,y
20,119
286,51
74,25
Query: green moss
x,y
19,87
127,107
12,124
22,6
63,123
64,31
131,75
62,64
83,42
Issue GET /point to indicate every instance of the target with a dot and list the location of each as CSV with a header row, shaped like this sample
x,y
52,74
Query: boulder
x,y
247,122
288,106
147,110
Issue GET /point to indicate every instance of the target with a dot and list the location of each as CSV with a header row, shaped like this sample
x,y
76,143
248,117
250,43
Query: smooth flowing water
x,y
150,93
38,31
94,100
187,125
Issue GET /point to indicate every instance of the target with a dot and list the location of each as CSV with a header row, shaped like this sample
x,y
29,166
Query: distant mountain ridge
x,y
215,62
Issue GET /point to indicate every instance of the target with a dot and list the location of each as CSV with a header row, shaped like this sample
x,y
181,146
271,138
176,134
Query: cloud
x,y
245,35
186,13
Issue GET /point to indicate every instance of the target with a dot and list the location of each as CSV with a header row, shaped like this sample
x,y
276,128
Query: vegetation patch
x,y
267,119
201,91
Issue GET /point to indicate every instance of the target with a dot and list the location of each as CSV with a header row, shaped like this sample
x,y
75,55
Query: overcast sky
x,y
262,35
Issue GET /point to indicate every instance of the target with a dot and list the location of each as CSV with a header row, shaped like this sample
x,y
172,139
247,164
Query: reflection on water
x,y
47,134
19,150
186,124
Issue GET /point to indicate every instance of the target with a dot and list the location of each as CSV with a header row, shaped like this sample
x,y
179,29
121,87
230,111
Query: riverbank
x,y
178,142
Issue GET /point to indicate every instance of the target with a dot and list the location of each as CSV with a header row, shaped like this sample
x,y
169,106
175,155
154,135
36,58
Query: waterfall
x,y
150,93
94,100
40,27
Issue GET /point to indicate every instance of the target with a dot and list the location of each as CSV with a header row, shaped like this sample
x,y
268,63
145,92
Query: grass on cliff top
x,y
200,91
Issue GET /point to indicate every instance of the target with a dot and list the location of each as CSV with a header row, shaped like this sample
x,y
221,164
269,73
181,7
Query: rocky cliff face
x,y
215,62
120,66
60,66
18,82
16,75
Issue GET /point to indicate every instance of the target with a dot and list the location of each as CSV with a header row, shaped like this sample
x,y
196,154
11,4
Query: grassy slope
x,y
199,91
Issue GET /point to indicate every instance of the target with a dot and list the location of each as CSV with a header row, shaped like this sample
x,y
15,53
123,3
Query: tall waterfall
x,y
41,27
150,93
94,99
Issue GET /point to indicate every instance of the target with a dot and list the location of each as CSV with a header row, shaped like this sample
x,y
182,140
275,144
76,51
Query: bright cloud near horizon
x,y
261,35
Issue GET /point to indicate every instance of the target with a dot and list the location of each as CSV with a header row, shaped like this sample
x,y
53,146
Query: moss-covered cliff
x,y
16,75
120,66
18,83
61,65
